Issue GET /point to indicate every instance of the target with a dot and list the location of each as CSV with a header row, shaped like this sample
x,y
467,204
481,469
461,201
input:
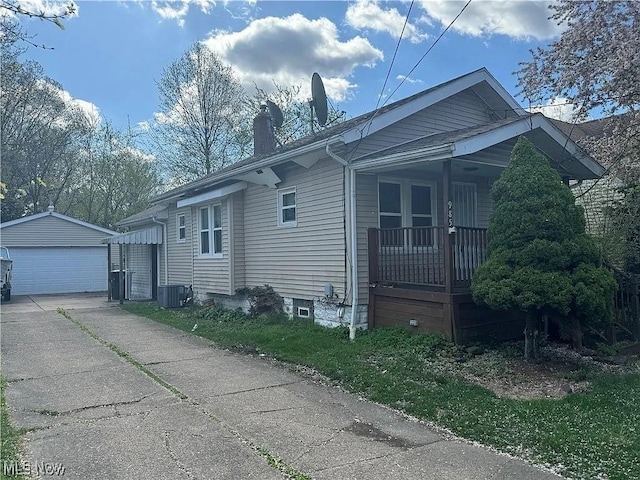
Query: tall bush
x,y
540,260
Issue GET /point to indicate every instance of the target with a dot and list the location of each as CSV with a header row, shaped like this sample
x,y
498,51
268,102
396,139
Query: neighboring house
x,y
598,194
55,253
386,212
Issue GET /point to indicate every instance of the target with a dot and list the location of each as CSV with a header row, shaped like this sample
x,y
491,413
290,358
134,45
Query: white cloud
x,y
559,108
178,10
367,14
288,50
88,110
520,19
404,78
49,8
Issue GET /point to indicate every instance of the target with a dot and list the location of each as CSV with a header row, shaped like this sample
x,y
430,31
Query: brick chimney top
x,y
263,139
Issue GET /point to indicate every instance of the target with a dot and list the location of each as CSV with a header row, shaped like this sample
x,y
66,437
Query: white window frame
x,y
183,228
212,253
281,193
405,199
214,229
406,213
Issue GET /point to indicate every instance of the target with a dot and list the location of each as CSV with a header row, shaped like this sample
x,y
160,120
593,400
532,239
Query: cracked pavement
x,y
102,417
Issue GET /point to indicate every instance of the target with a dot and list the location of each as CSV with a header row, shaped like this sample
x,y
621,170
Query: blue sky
x,y
111,53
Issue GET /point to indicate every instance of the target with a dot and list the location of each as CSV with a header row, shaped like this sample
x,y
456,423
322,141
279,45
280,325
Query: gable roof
x,y
60,216
361,126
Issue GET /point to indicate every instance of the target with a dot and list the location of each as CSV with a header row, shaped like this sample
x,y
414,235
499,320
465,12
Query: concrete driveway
x,y
106,394
42,303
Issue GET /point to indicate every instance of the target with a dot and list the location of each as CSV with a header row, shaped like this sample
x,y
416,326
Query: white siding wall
x,y
180,254
298,261
50,231
139,271
211,275
462,110
238,236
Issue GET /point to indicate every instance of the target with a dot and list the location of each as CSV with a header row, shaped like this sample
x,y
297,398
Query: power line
x,y
428,50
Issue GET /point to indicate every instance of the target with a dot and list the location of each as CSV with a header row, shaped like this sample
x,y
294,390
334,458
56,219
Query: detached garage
x,y
55,253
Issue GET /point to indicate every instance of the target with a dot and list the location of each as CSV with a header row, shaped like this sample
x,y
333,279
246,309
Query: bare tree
x,y
39,137
298,120
12,10
199,126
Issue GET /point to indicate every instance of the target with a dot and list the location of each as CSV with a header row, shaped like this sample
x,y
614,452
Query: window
x,y
217,229
287,207
181,226
205,232
211,230
405,203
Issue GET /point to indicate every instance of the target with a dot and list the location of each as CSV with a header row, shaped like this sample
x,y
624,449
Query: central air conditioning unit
x,y
171,296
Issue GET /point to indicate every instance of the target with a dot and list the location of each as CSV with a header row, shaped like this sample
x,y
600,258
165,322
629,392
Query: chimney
x,y
263,140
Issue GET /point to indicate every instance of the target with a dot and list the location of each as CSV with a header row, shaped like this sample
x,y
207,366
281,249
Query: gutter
x,y
166,247
351,185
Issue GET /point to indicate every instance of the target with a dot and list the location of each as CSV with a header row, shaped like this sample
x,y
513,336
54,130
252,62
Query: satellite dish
x,y
276,114
319,99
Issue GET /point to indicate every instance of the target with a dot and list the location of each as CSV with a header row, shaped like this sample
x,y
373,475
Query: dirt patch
x,y
559,372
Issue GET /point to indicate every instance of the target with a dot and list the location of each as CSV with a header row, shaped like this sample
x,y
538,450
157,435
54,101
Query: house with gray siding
x,y
379,220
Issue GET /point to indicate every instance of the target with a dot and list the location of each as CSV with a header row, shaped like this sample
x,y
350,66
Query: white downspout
x,y
166,248
351,185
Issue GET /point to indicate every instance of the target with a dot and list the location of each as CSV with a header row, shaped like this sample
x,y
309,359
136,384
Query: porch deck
x,y
420,279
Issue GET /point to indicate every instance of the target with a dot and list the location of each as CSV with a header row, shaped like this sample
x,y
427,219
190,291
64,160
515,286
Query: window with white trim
x,y
210,225
406,203
205,231
217,229
287,214
181,227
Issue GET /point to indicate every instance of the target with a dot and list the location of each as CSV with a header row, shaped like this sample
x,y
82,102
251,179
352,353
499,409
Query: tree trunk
x,y
531,336
576,334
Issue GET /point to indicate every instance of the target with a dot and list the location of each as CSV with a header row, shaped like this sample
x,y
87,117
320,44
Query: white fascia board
x,y
430,154
212,195
388,118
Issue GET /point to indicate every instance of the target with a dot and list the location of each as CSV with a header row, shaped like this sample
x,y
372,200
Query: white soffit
x,y
212,195
261,176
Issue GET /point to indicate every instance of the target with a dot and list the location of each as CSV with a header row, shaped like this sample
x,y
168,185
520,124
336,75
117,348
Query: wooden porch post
x,y
448,211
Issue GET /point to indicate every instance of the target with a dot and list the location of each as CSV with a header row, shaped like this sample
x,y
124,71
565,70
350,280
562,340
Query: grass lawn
x,y
594,434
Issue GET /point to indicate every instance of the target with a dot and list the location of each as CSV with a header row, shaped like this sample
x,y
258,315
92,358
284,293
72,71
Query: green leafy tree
x,y
540,259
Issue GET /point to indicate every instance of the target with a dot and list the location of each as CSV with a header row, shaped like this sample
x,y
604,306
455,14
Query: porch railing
x,y
417,255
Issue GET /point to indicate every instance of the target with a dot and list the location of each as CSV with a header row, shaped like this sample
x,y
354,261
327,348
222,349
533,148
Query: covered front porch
x,y
431,216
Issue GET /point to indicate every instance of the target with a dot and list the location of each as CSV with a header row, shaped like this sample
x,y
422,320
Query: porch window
x,y
405,203
211,230
181,226
287,215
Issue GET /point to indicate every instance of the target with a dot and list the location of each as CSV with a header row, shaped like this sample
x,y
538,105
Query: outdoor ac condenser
x,y
171,296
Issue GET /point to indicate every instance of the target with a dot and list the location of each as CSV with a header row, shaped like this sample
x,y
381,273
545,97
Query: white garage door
x,y
58,270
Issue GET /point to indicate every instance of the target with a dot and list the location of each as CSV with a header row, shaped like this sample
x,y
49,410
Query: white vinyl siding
x,y
299,261
462,110
180,255
367,217
211,273
51,231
